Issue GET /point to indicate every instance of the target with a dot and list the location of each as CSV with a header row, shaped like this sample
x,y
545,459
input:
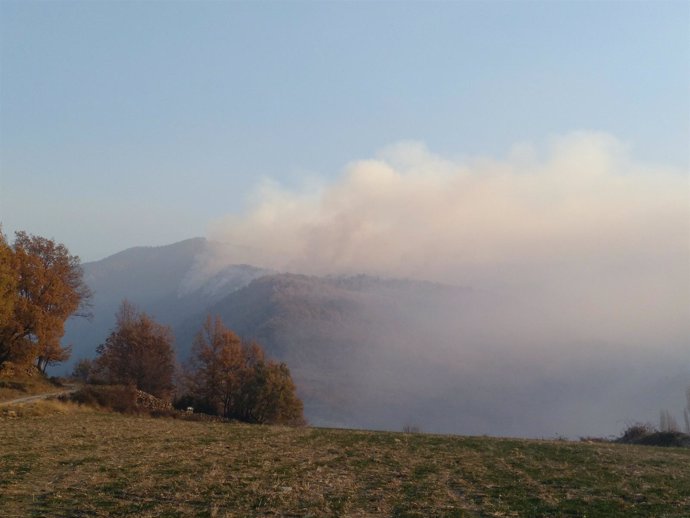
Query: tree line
x,y
42,285
225,375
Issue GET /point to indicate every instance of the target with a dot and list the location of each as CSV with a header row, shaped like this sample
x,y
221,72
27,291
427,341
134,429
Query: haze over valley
x,y
464,217
384,353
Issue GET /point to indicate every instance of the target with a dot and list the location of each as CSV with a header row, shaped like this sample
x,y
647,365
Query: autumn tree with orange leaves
x,y
232,378
138,352
41,285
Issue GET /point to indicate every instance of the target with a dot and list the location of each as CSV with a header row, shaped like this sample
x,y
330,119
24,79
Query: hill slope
x,y
156,280
361,349
385,353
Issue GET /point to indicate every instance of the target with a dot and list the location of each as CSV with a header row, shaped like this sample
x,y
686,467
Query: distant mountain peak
x,y
192,245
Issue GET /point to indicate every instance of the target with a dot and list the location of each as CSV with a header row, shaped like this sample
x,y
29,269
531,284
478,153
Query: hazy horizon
x,y
538,152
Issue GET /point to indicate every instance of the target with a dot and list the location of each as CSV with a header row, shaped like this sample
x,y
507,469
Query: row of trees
x,y
41,286
225,375
230,377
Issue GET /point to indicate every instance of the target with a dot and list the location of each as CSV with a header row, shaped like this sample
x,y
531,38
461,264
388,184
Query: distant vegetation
x,y
649,436
226,376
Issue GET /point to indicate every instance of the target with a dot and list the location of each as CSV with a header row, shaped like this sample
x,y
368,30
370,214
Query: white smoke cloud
x,y
579,257
578,228
583,208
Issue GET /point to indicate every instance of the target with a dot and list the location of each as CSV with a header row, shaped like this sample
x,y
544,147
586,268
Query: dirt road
x,y
37,397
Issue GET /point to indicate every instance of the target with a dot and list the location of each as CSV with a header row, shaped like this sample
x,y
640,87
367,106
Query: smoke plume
x,y
579,255
582,208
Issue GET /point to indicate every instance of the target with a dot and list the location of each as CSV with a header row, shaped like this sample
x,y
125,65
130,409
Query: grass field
x,y
56,460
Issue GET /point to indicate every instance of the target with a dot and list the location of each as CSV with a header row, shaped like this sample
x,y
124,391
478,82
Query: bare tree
x,y
138,352
667,423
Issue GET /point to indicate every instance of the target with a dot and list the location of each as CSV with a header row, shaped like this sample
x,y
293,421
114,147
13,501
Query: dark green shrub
x,y
647,435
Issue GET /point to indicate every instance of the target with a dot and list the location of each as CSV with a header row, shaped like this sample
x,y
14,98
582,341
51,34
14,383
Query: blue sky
x,y
132,123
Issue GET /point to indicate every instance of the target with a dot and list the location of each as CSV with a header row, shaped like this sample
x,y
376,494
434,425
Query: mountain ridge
x,y
383,353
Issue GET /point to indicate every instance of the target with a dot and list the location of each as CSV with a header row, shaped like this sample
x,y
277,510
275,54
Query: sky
x,y
145,123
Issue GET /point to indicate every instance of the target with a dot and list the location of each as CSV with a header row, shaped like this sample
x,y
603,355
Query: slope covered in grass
x,y
14,387
85,463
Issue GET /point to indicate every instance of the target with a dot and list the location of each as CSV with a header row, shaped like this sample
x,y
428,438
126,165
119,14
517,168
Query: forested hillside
x,y
387,353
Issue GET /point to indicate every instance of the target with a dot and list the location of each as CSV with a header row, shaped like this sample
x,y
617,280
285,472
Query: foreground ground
x,y
56,460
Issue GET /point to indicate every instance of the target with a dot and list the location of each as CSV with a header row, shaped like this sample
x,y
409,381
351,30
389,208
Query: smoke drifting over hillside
x,y
582,207
580,220
579,258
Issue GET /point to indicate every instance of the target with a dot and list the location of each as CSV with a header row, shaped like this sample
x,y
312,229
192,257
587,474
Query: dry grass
x,y
16,387
86,463
44,408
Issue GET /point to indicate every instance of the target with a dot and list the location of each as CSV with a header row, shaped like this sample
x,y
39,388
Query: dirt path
x,y
36,397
